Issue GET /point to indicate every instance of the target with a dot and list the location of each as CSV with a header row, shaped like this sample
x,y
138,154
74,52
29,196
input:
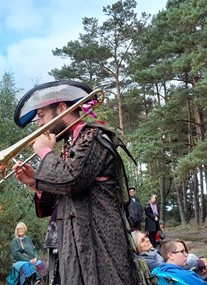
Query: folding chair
x,y
144,273
165,279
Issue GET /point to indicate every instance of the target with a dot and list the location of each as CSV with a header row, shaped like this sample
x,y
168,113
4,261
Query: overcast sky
x,y
31,29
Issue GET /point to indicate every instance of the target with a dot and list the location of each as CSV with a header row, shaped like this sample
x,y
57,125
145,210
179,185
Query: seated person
x,y
24,256
160,235
202,268
145,250
197,264
174,253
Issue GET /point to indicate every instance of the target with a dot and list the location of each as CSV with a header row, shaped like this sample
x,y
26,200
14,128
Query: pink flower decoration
x,y
87,106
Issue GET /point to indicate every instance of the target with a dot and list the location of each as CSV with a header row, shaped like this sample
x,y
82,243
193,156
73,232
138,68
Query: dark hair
x,y
132,188
54,106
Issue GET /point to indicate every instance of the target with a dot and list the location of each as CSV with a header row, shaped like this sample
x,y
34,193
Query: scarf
x,y
154,208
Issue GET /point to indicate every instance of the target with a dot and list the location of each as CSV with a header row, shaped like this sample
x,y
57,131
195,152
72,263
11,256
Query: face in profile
x,y
179,256
45,115
58,128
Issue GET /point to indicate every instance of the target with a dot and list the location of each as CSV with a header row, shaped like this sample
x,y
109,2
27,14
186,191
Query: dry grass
x,y
194,236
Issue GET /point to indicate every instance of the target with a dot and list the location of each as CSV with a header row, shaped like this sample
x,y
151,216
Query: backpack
x,y
111,141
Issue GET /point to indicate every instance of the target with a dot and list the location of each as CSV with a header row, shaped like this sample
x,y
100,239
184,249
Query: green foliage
x,y
197,157
16,204
156,74
101,56
16,200
7,106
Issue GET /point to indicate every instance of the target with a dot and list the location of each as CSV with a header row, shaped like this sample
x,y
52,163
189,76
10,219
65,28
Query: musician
x,y
81,190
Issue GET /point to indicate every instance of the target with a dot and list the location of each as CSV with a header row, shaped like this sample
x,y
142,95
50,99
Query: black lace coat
x,y
92,242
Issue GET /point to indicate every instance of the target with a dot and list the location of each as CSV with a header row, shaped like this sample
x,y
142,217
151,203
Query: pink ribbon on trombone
x,y
87,106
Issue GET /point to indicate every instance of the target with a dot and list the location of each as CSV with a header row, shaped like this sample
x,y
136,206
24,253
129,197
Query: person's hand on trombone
x,y
25,173
44,141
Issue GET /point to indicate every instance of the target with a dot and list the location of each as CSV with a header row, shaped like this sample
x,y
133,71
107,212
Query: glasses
x,y
183,251
144,238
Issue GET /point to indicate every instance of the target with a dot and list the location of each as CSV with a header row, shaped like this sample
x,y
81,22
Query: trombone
x,y
11,152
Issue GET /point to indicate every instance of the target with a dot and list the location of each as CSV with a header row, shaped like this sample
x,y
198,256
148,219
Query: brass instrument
x,y
11,152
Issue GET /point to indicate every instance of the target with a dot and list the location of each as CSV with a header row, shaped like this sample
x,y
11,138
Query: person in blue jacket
x,y
174,253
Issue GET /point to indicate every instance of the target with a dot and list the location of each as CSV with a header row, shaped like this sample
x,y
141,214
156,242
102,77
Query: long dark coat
x,y
150,224
93,246
135,213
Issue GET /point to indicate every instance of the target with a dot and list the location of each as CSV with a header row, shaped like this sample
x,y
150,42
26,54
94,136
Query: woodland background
x,y
154,72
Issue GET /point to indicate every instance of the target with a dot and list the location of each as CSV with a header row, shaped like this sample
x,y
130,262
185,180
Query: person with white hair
x,y
25,260
22,247
145,250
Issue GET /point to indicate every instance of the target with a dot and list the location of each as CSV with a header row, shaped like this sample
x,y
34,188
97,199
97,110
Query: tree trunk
x,y
162,197
195,196
120,108
180,204
202,207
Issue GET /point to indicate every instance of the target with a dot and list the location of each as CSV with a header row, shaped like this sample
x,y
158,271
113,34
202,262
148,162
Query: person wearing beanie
x,y
197,264
160,235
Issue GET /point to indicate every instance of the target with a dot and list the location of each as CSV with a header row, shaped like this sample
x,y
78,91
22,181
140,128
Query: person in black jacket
x,y
152,219
134,210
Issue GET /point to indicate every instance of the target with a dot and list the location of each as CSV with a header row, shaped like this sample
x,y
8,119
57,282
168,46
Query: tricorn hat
x,y
46,94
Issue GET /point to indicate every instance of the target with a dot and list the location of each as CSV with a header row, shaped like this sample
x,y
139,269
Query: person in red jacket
x,y
160,235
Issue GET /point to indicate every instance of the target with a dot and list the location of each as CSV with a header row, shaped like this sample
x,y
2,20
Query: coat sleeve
x,y
33,250
17,251
45,205
149,213
76,173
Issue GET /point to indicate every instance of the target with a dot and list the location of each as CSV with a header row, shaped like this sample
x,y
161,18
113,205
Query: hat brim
x,y
46,94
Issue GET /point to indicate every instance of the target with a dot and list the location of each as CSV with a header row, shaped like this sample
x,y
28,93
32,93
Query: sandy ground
x,y
194,236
